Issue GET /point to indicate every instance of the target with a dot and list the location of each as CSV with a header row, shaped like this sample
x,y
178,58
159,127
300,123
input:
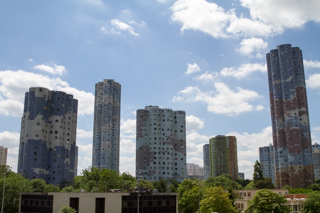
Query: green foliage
x,y
317,181
216,200
225,181
51,188
264,184
145,184
15,184
250,186
67,189
242,182
300,191
314,187
257,172
286,187
38,185
267,201
312,204
160,185
67,209
188,193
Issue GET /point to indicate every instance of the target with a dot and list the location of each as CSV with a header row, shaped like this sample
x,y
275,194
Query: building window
x,y
100,205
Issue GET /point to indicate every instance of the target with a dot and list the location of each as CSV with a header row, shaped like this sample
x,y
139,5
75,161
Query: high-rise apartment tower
x,y
316,160
161,144
206,161
290,118
223,156
47,147
106,128
266,158
3,155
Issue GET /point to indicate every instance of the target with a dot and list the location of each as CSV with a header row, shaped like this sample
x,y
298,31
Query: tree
x,y
160,185
242,182
312,204
216,200
314,187
224,180
67,209
188,193
250,186
267,201
264,184
257,173
38,185
300,191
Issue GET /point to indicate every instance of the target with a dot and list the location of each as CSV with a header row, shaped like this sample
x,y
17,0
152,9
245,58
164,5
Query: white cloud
x,y
225,101
56,70
128,126
287,14
192,68
201,15
128,164
267,18
251,45
10,140
207,76
313,81
14,84
311,64
84,134
127,146
193,123
194,149
123,26
104,30
195,160
196,138
243,71
30,59
315,134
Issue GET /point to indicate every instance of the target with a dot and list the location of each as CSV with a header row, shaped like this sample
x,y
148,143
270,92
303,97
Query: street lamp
x,y
4,186
138,184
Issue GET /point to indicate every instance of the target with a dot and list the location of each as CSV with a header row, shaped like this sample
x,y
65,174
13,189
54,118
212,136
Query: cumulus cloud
x,y
128,164
193,123
224,100
267,18
128,126
200,15
84,134
194,149
104,30
192,68
195,137
123,26
313,81
196,160
127,146
207,76
251,45
14,84
56,70
243,71
311,64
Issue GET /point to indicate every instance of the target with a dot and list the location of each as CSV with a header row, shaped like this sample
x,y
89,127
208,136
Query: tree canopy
x,y
267,201
257,172
312,204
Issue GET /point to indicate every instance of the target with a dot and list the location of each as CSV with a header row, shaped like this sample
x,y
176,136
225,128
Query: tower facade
x,y
290,118
106,128
206,161
316,160
47,147
161,144
223,156
3,155
266,159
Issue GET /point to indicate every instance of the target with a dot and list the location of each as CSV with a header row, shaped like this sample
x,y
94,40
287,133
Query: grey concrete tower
x,y
106,128
47,147
290,118
161,144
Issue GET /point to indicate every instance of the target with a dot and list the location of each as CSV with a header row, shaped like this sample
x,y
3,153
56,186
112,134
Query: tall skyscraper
x,y
316,160
3,155
106,130
223,156
266,159
161,144
206,161
290,118
48,136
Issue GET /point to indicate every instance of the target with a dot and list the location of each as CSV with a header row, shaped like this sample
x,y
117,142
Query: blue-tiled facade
x,y
47,147
266,158
206,161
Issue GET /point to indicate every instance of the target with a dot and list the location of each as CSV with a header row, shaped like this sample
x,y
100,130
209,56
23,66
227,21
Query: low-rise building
x,y
82,202
294,201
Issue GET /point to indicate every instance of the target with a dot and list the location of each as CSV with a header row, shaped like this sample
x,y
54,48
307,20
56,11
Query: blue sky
x,y
204,57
